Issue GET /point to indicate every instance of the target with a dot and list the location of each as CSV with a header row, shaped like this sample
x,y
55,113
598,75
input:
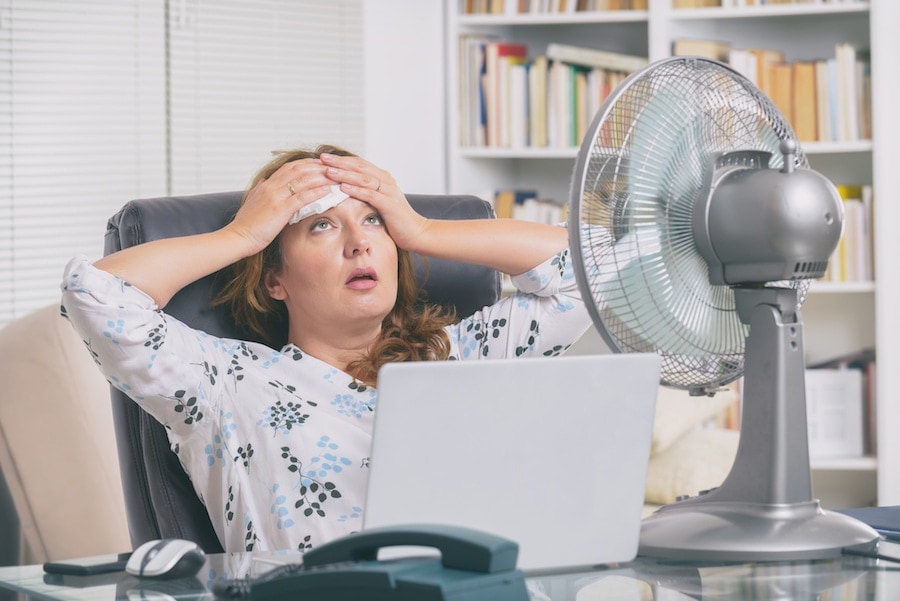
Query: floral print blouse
x,y
276,443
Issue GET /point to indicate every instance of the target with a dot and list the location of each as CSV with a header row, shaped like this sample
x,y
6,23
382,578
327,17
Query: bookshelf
x,y
839,317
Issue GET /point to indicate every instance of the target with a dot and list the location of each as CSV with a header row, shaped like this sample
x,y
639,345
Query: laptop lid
x,y
549,452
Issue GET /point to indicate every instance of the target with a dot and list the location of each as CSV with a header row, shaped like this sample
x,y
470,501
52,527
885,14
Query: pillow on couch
x,y
699,460
677,413
686,455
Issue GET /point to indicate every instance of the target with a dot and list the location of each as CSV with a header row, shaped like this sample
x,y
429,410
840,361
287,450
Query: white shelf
x,y
846,464
817,148
810,148
818,287
612,16
767,11
481,152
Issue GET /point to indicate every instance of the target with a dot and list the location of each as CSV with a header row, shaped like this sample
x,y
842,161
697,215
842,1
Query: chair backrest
x,y
159,498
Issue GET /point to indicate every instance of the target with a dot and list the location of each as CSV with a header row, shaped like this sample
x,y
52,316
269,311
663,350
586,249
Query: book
x,y
854,222
862,360
834,410
823,102
864,94
804,104
833,99
868,231
853,259
766,59
856,359
744,62
540,210
537,102
559,113
848,119
782,92
510,99
506,200
884,520
837,268
580,106
591,57
496,59
713,49
518,106
472,115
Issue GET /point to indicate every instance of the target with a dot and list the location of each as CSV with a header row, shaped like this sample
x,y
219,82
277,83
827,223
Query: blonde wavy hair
x,y
412,331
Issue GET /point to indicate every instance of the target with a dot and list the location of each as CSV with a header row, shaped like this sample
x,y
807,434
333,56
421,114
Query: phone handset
x,y
461,548
474,566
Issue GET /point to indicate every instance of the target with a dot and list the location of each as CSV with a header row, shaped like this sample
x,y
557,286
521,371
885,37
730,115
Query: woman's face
x,y
339,267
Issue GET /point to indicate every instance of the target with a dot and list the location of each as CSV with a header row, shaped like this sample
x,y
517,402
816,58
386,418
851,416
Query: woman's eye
x,y
320,225
374,219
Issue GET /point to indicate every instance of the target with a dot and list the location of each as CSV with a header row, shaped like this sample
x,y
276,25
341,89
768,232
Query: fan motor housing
x,y
760,225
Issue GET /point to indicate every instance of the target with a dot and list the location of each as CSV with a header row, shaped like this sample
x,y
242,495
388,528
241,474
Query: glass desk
x,y
850,578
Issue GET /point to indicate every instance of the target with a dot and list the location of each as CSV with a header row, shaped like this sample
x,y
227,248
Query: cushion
x,y
699,460
677,412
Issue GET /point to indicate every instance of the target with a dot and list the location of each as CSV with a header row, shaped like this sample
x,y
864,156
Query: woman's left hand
x,y
508,245
364,181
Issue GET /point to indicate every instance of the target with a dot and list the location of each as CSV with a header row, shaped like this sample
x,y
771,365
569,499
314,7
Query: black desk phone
x,y
473,566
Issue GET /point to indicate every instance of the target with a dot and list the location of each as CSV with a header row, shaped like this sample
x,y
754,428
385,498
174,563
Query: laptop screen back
x,y
551,453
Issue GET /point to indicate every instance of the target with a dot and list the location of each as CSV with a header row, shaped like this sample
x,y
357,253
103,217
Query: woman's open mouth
x,y
362,278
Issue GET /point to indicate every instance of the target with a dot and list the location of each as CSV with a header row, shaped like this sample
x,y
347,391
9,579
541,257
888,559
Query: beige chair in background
x,y
57,443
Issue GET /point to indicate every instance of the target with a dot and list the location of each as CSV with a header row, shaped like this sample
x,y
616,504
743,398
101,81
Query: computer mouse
x,y
165,559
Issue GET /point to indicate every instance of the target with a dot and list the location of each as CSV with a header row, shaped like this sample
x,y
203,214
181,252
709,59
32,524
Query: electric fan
x,y
695,226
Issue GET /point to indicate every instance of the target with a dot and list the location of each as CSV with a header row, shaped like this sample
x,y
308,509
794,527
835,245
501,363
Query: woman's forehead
x,y
351,205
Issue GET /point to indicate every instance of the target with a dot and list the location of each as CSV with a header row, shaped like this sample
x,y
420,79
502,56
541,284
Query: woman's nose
x,y
357,242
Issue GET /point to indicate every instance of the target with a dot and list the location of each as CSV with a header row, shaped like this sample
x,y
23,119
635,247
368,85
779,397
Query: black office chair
x,y
160,501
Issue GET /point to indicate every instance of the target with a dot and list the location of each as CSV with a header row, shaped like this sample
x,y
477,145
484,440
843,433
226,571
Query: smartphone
x,y
888,550
88,566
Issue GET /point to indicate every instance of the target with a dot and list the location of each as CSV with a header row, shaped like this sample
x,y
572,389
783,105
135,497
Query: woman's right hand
x,y
162,267
272,202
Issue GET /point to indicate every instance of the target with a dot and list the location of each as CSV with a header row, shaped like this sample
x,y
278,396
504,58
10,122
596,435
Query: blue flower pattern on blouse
x,y
277,442
328,462
214,451
353,406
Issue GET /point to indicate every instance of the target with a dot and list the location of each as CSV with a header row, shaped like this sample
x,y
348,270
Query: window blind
x,y
83,122
249,78
102,101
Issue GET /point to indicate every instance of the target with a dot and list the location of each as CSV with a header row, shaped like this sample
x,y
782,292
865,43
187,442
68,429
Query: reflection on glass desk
x,y
851,578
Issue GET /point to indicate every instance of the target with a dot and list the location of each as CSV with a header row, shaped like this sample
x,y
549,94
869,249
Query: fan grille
x,y
643,166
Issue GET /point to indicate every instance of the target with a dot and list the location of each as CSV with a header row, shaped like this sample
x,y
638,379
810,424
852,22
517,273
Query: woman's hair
x,y
412,331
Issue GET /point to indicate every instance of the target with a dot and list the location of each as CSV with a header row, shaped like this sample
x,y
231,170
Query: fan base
x,y
731,531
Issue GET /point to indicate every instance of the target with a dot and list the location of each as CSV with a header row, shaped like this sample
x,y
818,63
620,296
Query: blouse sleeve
x,y
543,318
171,370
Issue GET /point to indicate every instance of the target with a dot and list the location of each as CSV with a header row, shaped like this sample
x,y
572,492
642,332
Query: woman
x,y
276,442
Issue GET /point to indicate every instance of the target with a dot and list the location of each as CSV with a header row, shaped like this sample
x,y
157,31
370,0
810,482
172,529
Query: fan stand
x,y
764,510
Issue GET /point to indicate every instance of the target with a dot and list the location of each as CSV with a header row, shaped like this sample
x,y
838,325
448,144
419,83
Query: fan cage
x,y
641,169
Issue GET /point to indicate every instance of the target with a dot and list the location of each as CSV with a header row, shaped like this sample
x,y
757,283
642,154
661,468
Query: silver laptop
x,y
551,452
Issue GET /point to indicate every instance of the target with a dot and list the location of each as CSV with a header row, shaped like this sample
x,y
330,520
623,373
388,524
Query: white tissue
x,y
330,200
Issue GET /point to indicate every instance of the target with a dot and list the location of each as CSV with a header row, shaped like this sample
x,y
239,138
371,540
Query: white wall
x,y
404,95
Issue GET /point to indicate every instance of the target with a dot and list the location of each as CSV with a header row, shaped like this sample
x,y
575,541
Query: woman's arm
x,y
542,319
507,245
163,267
